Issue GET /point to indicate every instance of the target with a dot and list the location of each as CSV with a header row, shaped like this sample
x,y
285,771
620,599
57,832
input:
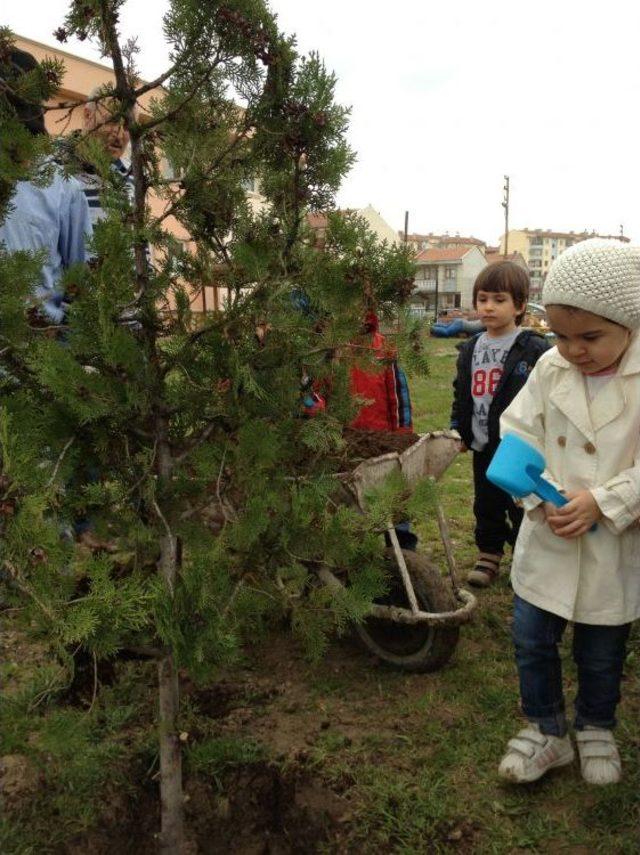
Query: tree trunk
x,y
171,799
172,841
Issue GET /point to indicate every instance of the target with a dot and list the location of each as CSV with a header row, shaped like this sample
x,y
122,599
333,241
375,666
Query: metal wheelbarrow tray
x,y
429,457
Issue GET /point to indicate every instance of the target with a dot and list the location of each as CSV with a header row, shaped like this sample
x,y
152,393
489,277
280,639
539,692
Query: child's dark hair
x,y
504,276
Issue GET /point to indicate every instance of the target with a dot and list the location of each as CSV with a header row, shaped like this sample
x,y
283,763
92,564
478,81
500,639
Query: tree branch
x,y
147,126
175,206
197,441
59,461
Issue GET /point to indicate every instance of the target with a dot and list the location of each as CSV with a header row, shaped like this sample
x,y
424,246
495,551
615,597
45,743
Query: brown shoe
x,y
485,570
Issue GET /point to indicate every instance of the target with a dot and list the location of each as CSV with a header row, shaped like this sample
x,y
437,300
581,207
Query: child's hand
x,y
576,517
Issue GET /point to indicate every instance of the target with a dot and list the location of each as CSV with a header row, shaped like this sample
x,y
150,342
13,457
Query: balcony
x,y
428,286
424,286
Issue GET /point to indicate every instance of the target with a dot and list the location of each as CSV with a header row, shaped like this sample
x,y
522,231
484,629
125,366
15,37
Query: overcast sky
x,y
447,98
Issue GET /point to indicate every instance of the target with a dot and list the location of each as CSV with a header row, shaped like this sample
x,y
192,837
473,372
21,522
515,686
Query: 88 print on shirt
x,y
485,382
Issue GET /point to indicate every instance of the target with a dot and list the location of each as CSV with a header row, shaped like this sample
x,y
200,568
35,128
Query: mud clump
x,y
363,444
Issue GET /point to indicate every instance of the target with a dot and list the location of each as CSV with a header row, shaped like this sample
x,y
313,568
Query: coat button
x,y
590,448
562,441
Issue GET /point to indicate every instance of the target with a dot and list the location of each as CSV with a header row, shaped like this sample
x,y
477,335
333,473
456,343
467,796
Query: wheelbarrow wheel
x,y
412,647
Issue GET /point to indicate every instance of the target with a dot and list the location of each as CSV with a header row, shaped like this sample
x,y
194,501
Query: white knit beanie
x,y
600,276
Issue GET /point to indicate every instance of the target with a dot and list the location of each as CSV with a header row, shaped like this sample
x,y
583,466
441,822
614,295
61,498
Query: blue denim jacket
x,y
54,218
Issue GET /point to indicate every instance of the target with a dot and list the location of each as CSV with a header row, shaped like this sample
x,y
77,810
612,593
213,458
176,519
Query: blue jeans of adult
x,y
599,653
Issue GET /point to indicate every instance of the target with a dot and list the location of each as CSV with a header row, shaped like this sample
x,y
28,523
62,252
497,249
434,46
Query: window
x,y
449,273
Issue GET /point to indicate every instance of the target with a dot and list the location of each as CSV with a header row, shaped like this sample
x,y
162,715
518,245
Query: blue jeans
x,y
599,653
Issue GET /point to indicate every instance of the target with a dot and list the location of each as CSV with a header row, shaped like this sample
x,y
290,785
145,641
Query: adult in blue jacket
x,y
52,219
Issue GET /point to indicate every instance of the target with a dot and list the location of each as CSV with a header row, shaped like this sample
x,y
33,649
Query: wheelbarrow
x,y
416,625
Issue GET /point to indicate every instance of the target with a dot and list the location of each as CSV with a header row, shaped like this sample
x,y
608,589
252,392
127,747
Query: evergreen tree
x,y
180,437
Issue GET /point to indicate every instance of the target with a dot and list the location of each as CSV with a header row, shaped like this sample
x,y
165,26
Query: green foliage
x,y
22,155
387,502
215,756
17,709
178,441
422,500
22,270
76,769
112,609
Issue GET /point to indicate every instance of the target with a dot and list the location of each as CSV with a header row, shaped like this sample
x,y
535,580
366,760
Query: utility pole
x,y
406,235
505,205
435,307
621,232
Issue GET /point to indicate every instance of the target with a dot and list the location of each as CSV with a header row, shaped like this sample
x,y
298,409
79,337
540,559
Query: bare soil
x,y
362,444
286,803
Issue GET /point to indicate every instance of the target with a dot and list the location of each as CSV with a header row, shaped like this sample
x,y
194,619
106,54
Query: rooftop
x,y
446,238
495,257
436,255
549,233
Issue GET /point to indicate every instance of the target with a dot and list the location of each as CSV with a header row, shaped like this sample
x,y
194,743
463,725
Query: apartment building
x,y
318,222
540,247
378,225
445,241
493,256
444,277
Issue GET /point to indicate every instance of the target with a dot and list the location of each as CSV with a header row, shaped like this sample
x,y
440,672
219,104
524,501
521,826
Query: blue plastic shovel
x,y
517,469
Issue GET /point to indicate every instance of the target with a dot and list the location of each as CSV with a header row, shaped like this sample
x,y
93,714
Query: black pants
x,y
497,517
406,538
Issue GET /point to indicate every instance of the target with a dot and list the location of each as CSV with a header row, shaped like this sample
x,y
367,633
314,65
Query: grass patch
x,y
414,757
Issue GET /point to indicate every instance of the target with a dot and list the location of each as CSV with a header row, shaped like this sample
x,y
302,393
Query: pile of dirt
x,y
363,444
265,809
359,445
256,809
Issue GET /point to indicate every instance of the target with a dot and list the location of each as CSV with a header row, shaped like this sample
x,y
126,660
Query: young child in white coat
x,y
581,409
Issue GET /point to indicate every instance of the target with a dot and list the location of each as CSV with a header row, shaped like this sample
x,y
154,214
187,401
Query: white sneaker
x,y
531,753
599,757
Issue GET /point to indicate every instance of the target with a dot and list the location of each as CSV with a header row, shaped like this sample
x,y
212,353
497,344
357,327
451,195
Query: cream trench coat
x,y
593,445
